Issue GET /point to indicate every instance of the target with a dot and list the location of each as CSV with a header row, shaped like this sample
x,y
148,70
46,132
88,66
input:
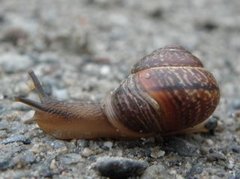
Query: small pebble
x,y
212,123
180,146
83,143
156,170
230,164
58,144
215,156
70,158
235,148
53,164
108,144
203,150
87,152
209,142
157,153
17,138
118,167
27,118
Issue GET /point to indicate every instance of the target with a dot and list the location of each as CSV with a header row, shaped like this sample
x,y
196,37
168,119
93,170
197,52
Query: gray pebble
x,y
235,148
17,138
58,144
157,152
212,123
118,167
12,63
4,164
82,143
180,146
215,156
203,150
70,158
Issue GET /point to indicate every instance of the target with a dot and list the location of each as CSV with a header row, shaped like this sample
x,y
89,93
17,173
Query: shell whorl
x,y
167,56
168,90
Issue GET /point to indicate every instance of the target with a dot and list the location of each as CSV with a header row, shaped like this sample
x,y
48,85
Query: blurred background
x,y
84,49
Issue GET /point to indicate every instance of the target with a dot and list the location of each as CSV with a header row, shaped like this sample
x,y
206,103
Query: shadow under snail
x,y
168,92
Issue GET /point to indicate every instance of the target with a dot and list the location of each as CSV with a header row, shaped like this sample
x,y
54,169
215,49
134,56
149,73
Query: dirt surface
x,y
83,50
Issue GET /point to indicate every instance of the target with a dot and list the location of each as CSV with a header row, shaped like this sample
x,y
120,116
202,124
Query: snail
x,y
168,92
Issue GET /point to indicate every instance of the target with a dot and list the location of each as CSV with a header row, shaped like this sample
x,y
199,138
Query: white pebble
x,y
108,144
209,142
87,152
27,118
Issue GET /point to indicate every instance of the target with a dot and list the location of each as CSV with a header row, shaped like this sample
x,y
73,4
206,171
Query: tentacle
x,y
41,93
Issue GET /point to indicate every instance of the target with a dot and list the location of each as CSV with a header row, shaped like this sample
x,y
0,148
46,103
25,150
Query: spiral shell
x,y
167,91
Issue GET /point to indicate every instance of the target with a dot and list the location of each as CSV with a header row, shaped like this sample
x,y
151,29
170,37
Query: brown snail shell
x,y
168,91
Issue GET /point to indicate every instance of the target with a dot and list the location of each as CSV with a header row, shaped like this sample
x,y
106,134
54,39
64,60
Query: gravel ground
x,y
82,50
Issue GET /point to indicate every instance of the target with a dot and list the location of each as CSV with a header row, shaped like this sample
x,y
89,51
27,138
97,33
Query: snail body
x,y
166,93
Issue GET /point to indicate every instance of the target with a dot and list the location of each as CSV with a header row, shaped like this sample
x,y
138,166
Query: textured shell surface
x,y
167,56
168,90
